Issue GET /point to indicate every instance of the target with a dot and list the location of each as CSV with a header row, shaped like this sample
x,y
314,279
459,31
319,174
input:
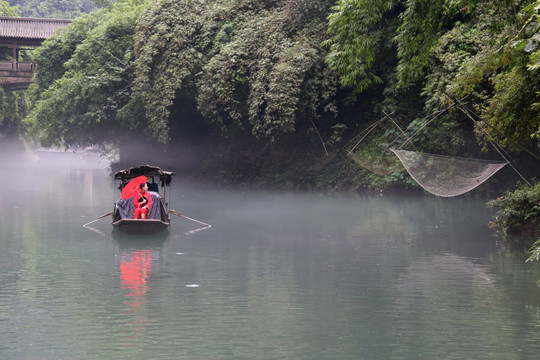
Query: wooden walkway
x,y
22,34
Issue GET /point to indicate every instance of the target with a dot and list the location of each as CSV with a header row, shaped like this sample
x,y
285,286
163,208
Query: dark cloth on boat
x,y
126,208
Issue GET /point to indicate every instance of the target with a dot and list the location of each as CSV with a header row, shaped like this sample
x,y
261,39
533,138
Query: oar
x,y
101,217
174,212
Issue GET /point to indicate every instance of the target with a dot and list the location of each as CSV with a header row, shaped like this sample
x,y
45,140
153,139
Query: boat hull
x,y
141,226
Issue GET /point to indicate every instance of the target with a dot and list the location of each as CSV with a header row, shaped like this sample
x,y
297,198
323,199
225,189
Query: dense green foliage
x,y
274,85
278,91
518,212
358,39
500,77
59,9
249,70
12,104
84,79
6,9
257,67
485,51
13,108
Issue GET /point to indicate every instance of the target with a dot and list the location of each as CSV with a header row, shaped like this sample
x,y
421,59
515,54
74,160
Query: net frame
x,y
448,182
447,176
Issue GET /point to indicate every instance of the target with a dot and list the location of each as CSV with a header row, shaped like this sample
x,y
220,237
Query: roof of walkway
x,y
29,29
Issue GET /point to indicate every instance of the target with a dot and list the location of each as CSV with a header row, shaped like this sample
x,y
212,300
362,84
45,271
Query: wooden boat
x,y
158,218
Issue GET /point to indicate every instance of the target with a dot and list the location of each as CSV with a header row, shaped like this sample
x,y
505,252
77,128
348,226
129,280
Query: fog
x,y
14,155
277,276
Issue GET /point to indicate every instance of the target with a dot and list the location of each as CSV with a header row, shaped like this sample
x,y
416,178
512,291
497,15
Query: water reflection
x,y
277,276
135,268
137,258
452,302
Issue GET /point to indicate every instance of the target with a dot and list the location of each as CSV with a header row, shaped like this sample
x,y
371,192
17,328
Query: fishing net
x,y
372,150
381,164
444,175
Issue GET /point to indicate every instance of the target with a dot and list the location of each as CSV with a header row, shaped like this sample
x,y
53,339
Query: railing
x,y
24,66
16,75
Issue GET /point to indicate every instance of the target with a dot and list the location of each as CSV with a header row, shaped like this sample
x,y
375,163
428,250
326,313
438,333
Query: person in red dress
x,y
142,202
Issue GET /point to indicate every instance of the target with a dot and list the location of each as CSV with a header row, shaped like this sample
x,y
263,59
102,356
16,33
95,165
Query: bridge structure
x,y
16,34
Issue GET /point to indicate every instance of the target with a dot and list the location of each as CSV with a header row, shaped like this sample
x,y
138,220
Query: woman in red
x,y
142,202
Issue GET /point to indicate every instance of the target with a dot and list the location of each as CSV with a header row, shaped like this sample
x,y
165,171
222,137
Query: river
x,y
278,275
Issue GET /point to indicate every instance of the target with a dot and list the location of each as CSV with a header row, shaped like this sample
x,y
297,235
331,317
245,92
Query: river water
x,y
277,276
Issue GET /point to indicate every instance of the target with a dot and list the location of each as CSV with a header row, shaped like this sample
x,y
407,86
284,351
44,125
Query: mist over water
x,y
15,156
279,275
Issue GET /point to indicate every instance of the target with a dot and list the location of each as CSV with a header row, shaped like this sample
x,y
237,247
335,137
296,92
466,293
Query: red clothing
x,y
142,203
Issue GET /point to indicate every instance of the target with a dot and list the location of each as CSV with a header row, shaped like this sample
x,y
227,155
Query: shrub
x,y
518,211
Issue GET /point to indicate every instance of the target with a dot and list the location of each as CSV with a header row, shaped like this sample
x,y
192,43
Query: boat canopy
x,y
124,176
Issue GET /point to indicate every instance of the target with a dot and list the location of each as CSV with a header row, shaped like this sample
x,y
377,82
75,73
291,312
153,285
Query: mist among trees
x,y
277,90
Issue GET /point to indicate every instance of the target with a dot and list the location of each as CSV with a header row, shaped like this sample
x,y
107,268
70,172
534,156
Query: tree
x,y
12,103
84,80
60,9
248,66
255,67
357,28
7,10
457,47
502,78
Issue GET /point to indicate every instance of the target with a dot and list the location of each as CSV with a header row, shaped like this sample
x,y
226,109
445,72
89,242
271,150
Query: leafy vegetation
x,y
6,9
273,85
518,212
254,67
12,104
243,72
81,101
460,48
277,92
499,77
59,9
13,108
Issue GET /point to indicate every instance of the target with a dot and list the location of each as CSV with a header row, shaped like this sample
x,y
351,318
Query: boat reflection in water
x,y
137,258
135,268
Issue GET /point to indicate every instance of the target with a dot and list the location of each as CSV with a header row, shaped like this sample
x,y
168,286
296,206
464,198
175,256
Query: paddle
x,y
174,212
101,217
